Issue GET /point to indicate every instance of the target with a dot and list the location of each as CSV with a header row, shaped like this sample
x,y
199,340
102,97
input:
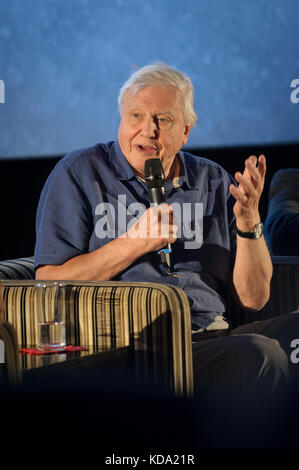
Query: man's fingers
x,y
238,194
262,165
245,185
164,209
253,175
254,172
160,223
258,163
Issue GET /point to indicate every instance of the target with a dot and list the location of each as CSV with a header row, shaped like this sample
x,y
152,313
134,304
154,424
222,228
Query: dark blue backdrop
x,y
63,63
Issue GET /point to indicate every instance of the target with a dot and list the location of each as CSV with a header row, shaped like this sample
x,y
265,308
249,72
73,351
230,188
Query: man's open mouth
x,y
147,149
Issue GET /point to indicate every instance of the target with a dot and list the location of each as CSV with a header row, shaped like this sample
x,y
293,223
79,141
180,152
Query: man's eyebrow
x,y
168,113
157,113
165,113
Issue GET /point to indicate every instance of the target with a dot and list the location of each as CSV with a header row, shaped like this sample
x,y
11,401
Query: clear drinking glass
x,y
51,312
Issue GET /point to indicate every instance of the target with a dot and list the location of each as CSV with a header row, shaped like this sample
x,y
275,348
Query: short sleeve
x,y
63,220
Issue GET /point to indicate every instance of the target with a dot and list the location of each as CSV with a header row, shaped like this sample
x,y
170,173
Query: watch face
x,y
259,231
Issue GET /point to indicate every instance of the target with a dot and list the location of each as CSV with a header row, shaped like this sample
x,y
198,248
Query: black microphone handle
x,y
157,196
155,181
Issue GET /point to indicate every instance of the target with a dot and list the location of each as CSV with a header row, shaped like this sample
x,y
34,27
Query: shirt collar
x,y
124,171
187,176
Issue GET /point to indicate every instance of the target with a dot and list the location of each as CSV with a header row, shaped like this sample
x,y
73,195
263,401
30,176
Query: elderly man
x,y
107,180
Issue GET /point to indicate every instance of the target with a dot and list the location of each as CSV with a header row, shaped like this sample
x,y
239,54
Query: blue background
x,y
63,62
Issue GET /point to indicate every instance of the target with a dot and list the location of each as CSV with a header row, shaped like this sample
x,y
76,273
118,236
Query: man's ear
x,y
186,133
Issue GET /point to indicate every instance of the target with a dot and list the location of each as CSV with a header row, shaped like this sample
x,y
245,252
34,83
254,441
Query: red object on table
x,y
38,352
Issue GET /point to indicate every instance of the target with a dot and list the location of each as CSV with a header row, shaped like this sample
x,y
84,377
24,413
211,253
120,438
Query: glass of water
x,y
51,315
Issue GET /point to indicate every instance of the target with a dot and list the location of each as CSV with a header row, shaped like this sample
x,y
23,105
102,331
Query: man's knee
x,y
246,361
264,361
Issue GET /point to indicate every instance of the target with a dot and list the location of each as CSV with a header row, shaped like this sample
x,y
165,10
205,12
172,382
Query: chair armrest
x,y
152,319
284,294
20,268
10,372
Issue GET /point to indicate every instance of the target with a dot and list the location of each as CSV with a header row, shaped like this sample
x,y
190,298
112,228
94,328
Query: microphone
x,y
155,181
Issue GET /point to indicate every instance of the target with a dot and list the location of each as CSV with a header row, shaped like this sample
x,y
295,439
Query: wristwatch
x,y
255,233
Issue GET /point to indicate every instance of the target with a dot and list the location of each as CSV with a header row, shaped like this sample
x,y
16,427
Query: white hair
x,y
162,75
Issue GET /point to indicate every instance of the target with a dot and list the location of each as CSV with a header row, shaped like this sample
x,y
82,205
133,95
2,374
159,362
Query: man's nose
x,y
149,128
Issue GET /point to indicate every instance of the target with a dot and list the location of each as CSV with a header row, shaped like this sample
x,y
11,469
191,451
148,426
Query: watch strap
x,y
255,233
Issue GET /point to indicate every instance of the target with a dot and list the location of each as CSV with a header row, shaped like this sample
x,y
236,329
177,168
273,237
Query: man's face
x,y
152,125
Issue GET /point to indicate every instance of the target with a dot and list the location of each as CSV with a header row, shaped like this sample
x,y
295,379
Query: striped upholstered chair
x,y
151,320
284,296
148,317
21,268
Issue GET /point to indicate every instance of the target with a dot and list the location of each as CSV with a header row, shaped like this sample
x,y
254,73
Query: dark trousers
x,y
257,355
247,385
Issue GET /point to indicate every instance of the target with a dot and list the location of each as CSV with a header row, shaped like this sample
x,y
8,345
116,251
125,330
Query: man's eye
x,y
136,115
164,123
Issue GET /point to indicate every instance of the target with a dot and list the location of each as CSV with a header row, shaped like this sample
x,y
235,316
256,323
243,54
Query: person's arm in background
x,y
282,220
109,260
253,266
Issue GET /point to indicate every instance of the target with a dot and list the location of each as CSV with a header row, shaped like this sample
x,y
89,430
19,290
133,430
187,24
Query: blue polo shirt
x,y
93,194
